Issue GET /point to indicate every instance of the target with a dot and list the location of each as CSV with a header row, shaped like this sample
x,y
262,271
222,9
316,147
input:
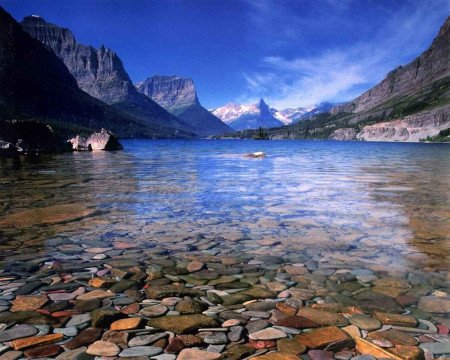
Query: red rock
x,y
130,309
174,347
406,300
87,336
43,351
322,337
43,311
442,329
298,322
65,313
288,310
261,344
122,245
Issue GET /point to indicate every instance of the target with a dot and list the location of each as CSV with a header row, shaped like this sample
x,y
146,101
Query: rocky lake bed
x,y
315,260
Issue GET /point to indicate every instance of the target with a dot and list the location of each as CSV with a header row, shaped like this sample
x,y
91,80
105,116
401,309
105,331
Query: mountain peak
x,y
171,92
33,20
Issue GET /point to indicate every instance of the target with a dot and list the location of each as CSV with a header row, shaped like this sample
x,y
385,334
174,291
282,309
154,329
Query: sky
x,y
292,53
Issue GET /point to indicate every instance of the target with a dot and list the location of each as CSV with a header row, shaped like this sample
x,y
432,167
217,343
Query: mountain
x,y
178,96
242,117
289,115
412,103
36,85
101,74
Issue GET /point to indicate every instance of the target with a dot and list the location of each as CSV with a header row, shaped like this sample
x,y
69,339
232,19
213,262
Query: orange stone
x,y
126,324
28,302
407,352
394,336
320,338
366,347
33,341
286,309
395,319
96,294
322,317
101,283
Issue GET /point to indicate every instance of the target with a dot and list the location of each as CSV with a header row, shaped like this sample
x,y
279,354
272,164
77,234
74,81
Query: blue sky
x,y
292,53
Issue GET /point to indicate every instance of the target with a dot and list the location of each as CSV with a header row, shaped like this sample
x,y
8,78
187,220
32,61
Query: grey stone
x,y
18,332
141,351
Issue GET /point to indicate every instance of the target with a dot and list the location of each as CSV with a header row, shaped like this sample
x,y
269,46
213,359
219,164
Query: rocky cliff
x,y
432,65
35,84
178,96
101,74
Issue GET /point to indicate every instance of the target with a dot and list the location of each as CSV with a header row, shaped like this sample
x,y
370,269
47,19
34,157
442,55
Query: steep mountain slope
x,y
35,84
100,73
178,96
411,104
243,117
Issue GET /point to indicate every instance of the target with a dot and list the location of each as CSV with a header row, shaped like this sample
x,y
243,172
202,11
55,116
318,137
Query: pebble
x,y
17,332
141,351
103,348
195,354
267,334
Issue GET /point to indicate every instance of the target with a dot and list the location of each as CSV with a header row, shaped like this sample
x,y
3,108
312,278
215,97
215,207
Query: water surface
x,y
343,204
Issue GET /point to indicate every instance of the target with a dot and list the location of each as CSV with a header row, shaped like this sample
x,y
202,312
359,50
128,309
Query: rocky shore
x,y
34,138
118,300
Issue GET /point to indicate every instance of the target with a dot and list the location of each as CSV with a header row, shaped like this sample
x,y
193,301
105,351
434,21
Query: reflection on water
x,y
366,204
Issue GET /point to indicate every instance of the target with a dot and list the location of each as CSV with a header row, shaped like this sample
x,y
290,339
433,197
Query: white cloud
x,y
341,73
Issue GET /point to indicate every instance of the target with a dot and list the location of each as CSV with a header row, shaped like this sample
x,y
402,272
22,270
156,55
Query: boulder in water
x,y
103,140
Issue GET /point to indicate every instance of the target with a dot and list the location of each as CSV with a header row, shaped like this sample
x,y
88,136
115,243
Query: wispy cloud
x,y
342,72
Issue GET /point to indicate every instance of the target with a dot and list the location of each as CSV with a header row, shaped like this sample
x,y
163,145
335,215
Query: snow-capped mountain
x,y
243,117
289,115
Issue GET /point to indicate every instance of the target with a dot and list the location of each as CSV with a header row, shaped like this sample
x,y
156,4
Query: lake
x,y
346,204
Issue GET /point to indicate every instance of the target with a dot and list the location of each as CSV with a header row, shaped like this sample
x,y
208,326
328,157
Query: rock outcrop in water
x,y
103,140
178,96
36,85
101,74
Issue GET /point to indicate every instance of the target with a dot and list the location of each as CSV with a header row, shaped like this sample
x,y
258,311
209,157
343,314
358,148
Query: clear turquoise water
x,y
347,203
